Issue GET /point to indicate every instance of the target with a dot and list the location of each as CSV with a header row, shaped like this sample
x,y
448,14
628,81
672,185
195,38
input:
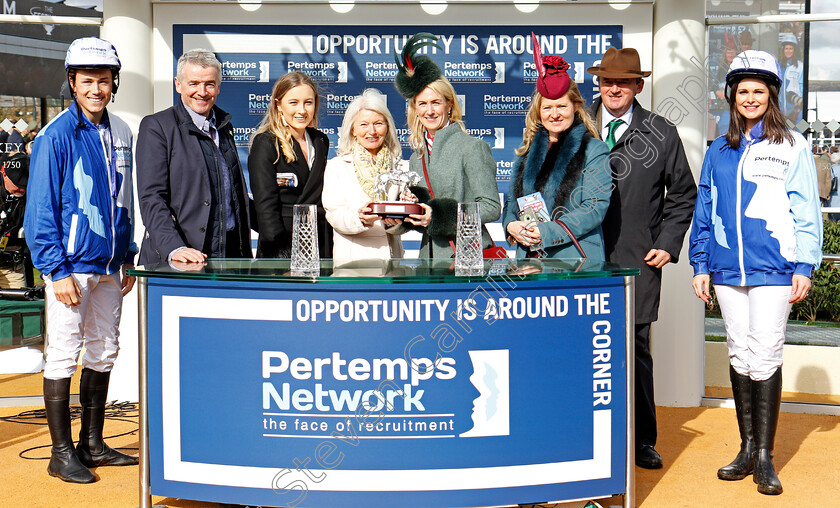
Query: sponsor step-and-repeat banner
x,y
491,68
436,395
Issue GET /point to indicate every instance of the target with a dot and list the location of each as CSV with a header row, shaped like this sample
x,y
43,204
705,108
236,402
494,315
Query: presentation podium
x,y
388,383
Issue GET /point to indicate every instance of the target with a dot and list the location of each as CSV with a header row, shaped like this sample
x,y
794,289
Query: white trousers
x,y
755,318
93,323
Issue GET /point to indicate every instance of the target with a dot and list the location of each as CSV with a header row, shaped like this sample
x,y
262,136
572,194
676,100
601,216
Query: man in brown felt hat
x,y
644,226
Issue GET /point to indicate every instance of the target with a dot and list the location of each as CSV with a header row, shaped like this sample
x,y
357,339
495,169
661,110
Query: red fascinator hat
x,y
553,80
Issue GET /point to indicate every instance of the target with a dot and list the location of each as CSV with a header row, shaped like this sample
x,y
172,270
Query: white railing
x,y
820,133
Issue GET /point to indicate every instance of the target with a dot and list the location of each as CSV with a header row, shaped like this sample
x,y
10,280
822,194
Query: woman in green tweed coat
x,y
458,166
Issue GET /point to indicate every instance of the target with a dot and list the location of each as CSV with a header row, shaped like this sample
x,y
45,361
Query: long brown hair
x,y
775,124
533,122
272,121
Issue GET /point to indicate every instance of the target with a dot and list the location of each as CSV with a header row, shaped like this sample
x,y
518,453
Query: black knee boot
x,y
766,398
92,450
64,463
742,466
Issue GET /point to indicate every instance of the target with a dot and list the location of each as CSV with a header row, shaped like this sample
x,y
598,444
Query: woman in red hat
x,y
562,161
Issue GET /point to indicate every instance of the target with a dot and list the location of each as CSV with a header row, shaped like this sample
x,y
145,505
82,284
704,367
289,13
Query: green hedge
x,y
823,302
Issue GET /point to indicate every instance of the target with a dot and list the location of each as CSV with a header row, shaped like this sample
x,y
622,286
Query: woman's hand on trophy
x,y
408,196
391,222
365,215
421,220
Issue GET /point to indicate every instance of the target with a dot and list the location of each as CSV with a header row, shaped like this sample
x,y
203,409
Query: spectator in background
x,y
15,140
790,98
727,55
732,46
15,174
834,195
30,132
823,163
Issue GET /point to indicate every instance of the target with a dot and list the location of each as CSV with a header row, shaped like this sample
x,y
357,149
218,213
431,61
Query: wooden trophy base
x,y
395,209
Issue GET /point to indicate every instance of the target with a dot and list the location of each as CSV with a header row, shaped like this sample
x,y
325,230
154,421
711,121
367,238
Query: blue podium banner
x,y
434,395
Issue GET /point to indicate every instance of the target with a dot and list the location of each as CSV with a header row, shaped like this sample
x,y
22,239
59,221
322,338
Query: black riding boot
x,y
742,466
92,450
64,463
766,398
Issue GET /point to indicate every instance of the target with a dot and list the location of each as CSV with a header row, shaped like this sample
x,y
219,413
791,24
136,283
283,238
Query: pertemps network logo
x,y
576,72
491,377
494,137
506,105
500,73
529,72
244,71
320,71
499,138
469,72
342,73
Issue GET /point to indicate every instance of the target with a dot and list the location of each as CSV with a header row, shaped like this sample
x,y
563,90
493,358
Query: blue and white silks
x,y
757,219
78,219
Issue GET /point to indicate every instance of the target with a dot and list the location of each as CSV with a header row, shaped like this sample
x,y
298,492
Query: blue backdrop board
x,y
491,68
373,394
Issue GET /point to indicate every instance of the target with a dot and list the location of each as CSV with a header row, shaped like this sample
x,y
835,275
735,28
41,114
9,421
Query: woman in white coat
x,y
368,146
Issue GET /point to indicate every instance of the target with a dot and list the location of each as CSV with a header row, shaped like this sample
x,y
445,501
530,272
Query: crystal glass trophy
x,y
468,252
305,257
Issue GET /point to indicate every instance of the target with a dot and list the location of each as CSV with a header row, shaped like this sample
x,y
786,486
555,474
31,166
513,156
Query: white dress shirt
x,y
607,117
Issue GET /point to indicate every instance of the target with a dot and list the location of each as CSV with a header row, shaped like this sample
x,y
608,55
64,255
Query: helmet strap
x,y
70,84
79,124
115,75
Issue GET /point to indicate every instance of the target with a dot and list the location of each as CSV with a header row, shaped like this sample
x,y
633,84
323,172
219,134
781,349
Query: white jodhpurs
x,y
93,323
755,318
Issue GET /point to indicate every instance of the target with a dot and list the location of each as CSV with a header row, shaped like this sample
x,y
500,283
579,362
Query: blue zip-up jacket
x,y
79,215
757,219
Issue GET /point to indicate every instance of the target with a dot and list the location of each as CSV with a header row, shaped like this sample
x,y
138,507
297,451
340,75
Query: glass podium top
x,y
387,271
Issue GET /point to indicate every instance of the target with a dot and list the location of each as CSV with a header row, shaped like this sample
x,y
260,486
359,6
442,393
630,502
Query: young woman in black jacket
x,y
286,165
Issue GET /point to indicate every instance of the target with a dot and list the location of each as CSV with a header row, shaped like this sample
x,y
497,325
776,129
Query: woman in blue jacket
x,y
757,235
793,74
561,158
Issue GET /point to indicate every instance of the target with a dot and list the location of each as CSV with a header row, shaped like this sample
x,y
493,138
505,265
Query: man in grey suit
x,y
644,226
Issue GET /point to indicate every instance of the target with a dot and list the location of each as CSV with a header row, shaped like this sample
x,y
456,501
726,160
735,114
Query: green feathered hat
x,y
416,72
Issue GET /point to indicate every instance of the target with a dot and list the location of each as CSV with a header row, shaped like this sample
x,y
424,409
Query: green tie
x,y
612,126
